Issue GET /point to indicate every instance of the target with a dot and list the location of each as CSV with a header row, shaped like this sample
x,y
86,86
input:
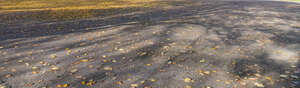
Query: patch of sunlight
x,y
283,54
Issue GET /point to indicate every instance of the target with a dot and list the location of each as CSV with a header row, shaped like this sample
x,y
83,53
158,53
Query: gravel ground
x,y
203,44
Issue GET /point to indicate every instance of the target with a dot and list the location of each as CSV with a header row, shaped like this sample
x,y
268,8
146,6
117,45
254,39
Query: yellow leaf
x,y
187,80
134,85
188,86
54,68
148,64
153,80
65,85
84,60
59,86
268,78
82,82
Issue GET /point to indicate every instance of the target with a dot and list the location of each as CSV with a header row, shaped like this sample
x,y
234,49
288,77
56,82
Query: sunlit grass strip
x,y
292,0
40,5
70,9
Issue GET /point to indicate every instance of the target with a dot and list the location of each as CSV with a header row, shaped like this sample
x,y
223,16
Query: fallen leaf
x,y
202,60
58,85
65,85
20,61
148,64
114,61
108,68
53,56
82,82
34,68
84,60
8,75
74,70
207,72
258,84
34,72
90,83
268,78
187,80
134,85
153,80
119,82
54,68
187,86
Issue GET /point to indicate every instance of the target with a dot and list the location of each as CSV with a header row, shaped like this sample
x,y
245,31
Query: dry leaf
x,y
84,60
187,80
107,68
187,86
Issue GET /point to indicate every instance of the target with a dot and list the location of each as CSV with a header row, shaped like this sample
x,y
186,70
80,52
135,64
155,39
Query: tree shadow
x,y
166,45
